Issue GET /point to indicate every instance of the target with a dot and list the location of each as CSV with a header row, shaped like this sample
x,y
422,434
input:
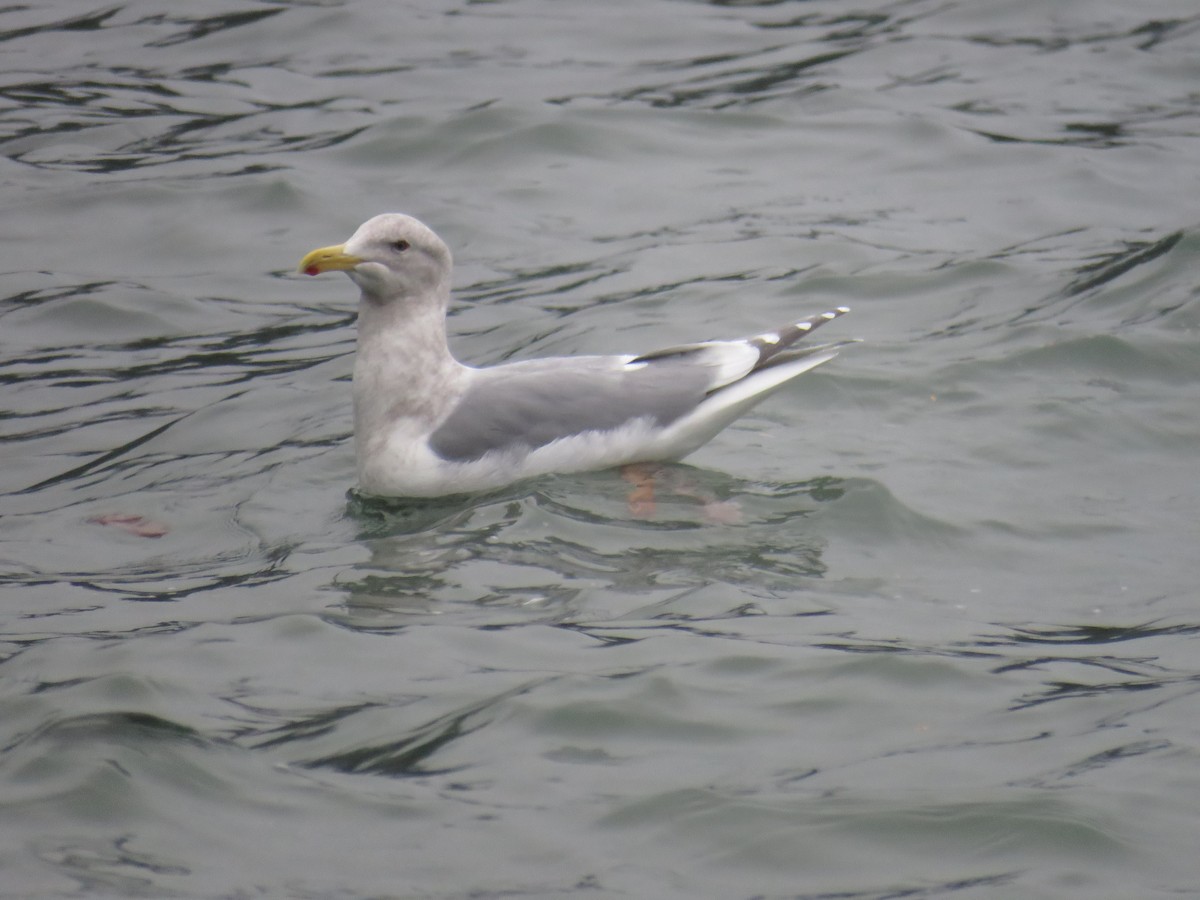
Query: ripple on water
x,y
922,625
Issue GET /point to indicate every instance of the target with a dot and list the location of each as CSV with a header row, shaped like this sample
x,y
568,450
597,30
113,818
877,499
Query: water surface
x,y
922,625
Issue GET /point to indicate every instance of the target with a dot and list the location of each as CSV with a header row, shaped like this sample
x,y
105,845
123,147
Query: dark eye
x,y
400,245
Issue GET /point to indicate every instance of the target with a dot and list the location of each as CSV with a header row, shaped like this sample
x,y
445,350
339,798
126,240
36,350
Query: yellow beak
x,y
328,259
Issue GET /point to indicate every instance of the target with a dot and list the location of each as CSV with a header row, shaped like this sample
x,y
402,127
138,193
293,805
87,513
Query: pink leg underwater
x,y
131,524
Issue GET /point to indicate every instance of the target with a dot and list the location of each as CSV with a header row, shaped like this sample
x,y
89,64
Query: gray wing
x,y
531,404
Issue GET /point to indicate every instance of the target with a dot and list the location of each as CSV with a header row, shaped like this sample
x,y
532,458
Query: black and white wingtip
x,y
771,343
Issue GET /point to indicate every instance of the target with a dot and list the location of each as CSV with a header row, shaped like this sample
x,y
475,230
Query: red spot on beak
x,y
312,270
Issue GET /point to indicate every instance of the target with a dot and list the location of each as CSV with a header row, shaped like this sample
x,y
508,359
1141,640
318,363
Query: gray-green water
x,y
940,637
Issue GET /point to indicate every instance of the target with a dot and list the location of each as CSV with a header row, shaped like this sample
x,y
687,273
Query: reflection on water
x,y
921,626
534,553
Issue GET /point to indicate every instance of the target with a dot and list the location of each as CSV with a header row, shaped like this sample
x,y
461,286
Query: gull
x,y
427,425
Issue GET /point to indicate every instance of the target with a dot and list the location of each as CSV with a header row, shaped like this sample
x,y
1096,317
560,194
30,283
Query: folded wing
x,y
526,405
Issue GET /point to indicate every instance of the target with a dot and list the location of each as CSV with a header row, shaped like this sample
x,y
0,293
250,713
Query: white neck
x,y
404,375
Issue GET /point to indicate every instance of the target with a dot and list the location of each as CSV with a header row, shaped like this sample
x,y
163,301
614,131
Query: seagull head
x,y
392,257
